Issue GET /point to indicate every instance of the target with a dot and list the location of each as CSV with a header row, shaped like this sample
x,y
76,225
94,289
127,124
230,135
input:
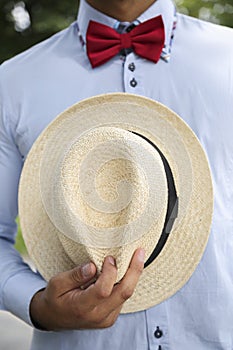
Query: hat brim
x,y
188,238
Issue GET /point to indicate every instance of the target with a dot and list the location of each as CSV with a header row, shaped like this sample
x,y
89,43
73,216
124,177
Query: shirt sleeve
x,y
18,283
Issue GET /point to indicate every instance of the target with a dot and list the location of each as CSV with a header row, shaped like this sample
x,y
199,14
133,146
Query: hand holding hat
x,y
67,304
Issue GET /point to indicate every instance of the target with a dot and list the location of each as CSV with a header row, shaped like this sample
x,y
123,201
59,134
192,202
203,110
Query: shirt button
x,y
130,27
158,333
131,67
133,82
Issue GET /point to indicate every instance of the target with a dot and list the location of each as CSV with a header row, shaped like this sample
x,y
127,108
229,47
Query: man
x,y
194,78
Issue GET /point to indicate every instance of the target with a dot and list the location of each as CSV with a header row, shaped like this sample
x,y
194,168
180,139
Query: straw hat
x,y
110,174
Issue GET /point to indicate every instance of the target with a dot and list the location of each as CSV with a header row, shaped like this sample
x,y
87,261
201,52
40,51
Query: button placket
x,y
158,327
132,76
132,68
133,82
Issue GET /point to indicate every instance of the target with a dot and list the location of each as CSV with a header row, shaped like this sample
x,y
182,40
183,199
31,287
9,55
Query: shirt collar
x,y
165,8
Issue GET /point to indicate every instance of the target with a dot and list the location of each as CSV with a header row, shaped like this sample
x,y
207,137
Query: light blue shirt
x,y
197,83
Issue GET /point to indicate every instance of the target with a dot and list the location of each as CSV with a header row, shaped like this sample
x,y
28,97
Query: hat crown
x,y
104,183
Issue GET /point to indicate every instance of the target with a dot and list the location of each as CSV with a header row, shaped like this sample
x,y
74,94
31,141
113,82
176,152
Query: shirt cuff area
x,y
18,292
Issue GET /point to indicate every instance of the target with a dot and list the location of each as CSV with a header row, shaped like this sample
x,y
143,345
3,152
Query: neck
x,y
122,10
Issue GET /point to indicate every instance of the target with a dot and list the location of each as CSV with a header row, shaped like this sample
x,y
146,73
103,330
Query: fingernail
x,y
141,255
111,260
86,270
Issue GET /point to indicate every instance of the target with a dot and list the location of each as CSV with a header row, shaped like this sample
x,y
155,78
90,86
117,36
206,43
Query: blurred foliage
x,y
219,12
25,23
19,243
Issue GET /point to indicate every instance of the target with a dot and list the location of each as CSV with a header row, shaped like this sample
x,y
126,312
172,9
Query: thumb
x,y
82,274
74,278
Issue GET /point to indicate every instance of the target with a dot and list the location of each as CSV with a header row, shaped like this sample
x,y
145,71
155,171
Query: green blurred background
x,y
25,23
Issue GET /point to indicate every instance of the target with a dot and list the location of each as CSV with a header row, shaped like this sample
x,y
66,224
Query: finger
x,y
103,286
72,279
124,290
105,283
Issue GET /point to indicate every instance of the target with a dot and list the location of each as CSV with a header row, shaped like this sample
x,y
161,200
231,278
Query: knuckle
x,y
127,292
139,268
104,322
108,323
100,321
97,317
103,292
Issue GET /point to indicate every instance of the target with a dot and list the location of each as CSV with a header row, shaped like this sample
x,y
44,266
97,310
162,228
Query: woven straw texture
x,y
90,187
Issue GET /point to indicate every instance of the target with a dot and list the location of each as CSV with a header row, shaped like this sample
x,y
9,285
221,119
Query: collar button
x,y
130,27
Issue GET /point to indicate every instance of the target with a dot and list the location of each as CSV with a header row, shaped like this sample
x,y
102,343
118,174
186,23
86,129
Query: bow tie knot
x,y
146,39
126,42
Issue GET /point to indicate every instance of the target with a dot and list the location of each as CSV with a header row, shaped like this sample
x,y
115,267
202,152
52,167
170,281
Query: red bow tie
x,y
146,40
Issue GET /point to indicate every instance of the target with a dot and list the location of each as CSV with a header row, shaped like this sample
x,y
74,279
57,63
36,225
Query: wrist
x,y
36,311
